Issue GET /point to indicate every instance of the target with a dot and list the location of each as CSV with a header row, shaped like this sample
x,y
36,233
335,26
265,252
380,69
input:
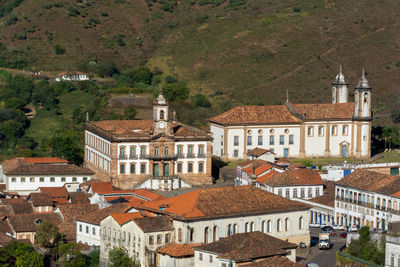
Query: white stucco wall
x,y
92,237
392,251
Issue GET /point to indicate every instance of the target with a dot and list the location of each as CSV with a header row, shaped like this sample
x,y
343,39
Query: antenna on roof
x,y
287,95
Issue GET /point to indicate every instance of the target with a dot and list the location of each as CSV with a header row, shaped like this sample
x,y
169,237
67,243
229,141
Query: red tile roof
x,y
56,192
122,218
286,113
258,151
19,205
258,169
301,176
102,187
273,262
45,160
77,211
97,216
328,198
263,178
178,250
148,194
247,246
221,202
41,199
256,162
372,181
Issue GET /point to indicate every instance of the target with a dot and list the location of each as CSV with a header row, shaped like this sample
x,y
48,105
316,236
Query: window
x,y
287,193
291,139
302,193
133,151
52,179
201,166
32,180
344,130
201,150
166,238
122,168
309,192
236,153
74,179
229,230
316,192
246,227
224,265
159,240
294,192
23,180
190,151
211,258
263,226
191,234
133,168
80,227
122,152
310,131
269,226
14,180
190,167
206,235
236,140
281,140
279,192
143,168
84,179
161,114
278,225
179,167
156,151
93,231
180,148
151,241
87,229
41,179
301,223
287,224
260,140
179,235
321,131
334,130
235,228
271,140
63,179
251,226
200,256
143,151
249,140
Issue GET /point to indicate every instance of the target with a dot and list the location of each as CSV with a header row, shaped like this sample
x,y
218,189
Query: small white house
x,y
72,76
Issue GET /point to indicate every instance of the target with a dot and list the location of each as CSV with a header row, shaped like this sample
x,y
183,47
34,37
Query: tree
x,y
201,101
120,258
59,50
21,255
93,259
175,91
47,235
70,255
67,144
138,75
130,113
391,136
44,94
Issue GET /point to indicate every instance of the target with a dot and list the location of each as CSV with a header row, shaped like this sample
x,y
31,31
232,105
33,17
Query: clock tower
x,y
160,115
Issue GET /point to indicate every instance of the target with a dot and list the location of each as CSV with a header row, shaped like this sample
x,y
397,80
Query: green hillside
x,y
233,51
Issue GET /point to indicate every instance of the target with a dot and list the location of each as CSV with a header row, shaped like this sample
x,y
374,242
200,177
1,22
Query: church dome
x,y
340,77
363,82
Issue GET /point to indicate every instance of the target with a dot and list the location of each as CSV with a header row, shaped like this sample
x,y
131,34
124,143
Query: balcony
x,y
161,156
169,177
122,156
133,156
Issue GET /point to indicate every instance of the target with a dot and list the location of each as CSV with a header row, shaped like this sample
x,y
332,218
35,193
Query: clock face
x,y
161,125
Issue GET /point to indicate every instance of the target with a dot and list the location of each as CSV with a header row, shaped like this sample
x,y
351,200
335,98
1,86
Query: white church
x,y
337,129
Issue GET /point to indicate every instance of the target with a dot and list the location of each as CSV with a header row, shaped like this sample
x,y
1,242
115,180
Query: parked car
x,y
344,235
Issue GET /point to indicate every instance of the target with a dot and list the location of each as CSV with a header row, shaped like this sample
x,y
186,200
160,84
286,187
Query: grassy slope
x,y
251,55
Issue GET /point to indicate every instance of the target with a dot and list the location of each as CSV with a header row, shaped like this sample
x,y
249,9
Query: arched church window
x,y
161,114
365,98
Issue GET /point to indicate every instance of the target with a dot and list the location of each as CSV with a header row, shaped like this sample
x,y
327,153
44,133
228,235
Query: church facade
x,y
155,154
337,129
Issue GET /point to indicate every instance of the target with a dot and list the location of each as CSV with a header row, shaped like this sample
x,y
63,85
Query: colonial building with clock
x,y
337,129
156,154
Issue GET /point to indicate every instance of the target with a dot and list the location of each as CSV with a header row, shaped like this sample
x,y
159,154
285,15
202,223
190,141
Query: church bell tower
x,y
160,115
362,98
339,89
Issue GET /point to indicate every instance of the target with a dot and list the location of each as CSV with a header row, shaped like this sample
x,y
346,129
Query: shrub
x,y
296,9
201,101
59,50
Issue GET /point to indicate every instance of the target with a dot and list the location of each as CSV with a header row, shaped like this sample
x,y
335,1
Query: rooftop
x,y
178,250
223,202
97,216
372,181
75,212
41,199
272,262
20,166
122,218
286,113
300,176
55,192
18,205
258,151
328,198
28,222
247,246
46,160
154,224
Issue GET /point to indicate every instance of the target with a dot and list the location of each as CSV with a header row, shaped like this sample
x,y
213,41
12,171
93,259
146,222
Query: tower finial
x,y
363,73
287,95
340,69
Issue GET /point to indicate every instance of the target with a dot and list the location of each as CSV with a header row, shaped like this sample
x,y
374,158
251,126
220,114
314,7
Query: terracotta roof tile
x,y
247,246
178,250
273,262
154,224
97,216
41,199
77,211
4,226
222,202
372,181
263,178
55,192
301,176
328,198
256,162
5,239
46,160
27,222
79,197
240,115
22,167
19,205
325,111
258,151
68,229
258,170
122,218
5,211
148,194
102,187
